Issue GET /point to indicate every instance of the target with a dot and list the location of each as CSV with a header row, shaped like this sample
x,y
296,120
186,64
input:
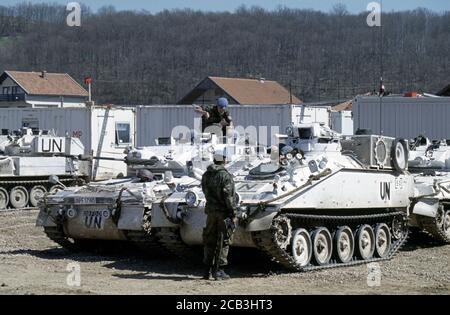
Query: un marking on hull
x,y
385,191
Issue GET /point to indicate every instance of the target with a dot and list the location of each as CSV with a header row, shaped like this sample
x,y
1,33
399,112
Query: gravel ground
x,y
32,264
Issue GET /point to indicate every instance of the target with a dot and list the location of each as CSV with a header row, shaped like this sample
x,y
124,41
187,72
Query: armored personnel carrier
x,y
172,154
429,163
121,209
319,201
28,157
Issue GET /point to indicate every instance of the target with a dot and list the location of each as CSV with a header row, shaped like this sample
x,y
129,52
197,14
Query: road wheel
x,y
4,199
301,247
322,246
19,197
382,240
282,231
398,228
365,239
36,194
344,244
446,224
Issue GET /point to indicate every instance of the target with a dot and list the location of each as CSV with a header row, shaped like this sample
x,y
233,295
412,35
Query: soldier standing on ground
x,y
219,190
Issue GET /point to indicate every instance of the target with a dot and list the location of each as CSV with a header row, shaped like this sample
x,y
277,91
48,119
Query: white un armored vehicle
x,y
429,162
28,157
321,201
121,209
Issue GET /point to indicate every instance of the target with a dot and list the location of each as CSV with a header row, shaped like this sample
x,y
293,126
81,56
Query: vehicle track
x,y
433,228
266,241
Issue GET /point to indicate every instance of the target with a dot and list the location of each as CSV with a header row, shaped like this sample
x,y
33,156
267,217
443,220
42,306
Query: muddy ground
x,y
32,264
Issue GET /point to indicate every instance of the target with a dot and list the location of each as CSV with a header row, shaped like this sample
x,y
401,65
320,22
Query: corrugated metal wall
x,y
403,116
267,119
75,121
159,120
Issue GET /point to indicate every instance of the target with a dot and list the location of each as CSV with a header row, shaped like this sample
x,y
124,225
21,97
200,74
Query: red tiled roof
x,y
244,91
343,106
60,84
251,91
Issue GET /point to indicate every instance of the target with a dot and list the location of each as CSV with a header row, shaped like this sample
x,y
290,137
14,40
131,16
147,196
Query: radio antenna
x,y
382,88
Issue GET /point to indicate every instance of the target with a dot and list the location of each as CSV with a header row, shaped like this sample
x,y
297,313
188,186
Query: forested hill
x,y
143,58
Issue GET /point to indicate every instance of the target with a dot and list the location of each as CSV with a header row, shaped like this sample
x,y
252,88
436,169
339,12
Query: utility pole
x,y
290,92
88,82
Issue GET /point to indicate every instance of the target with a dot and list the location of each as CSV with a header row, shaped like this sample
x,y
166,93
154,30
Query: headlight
x,y
71,213
192,199
180,187
106,214
323,163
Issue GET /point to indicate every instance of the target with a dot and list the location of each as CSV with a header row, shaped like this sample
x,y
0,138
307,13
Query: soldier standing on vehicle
x,y
219,190
217,115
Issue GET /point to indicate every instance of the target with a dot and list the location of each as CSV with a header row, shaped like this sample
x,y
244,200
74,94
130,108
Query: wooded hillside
x,y
143,58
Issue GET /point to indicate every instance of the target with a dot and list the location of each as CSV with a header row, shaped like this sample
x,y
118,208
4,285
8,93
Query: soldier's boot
x,y
221,275
208,273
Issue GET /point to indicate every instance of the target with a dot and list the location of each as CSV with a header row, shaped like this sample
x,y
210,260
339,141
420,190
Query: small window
x,y
30,122
6,90
305,133
123,134
164,141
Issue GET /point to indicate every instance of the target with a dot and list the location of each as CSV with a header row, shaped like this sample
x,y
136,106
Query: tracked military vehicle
x,y
429,163
121,209
319,201
27,158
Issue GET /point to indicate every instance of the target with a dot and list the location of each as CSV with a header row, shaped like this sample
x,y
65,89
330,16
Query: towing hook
x,y
178,220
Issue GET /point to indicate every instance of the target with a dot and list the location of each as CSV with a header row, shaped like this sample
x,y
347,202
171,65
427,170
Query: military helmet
x,y
222,102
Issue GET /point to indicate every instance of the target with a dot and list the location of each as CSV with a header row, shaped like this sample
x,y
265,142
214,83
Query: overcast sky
x,y
354,6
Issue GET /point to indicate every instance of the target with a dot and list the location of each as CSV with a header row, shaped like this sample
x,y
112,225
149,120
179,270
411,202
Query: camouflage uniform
x,y
218,187
215,118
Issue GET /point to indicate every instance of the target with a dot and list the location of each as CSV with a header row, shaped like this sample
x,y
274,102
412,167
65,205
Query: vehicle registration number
x,y
85,200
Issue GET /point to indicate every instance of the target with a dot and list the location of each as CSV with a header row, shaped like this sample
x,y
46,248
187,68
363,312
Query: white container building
x,y
405,117
104,132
